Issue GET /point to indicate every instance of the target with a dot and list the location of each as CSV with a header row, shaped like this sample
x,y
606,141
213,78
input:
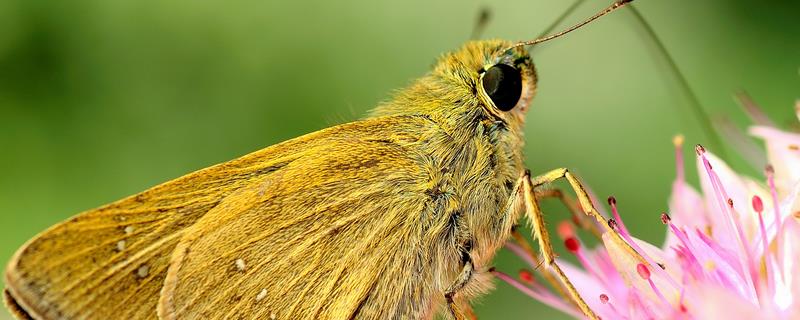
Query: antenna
x,y
616,5
484,15
561,18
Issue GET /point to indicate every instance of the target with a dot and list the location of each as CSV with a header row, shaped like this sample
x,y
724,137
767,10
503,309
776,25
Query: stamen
x,y
522,253
604,300
734,226
650,261
565,230
575,219
677,141
665,219
699,149
615,226
545,297
573,244
758,206
522,249
644,272
683,296
613,203
770,172
526,276
689,260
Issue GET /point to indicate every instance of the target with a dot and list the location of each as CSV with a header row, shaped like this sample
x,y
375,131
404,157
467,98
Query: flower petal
x,y
628,267
722,228
783,153
719,303
686,209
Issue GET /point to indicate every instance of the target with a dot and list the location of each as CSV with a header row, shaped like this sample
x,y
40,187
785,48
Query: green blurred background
x,y
102,99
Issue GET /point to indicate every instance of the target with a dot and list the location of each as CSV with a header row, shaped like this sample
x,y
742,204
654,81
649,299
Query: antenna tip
x,y
621,3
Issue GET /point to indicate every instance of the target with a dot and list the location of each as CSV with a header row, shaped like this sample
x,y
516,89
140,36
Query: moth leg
x,y
460,282
548,276
534,213
572,206
586,205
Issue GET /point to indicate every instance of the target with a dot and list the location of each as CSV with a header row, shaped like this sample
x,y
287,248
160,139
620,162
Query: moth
x,y
396,216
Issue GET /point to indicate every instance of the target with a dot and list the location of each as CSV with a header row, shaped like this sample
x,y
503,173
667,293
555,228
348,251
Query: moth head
x,y
501,79
483,81
506,81
491,80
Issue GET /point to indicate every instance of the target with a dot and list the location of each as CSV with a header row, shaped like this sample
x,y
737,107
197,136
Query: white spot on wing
x,y
128,230
121,245
240,264
272,316
261,295
143,271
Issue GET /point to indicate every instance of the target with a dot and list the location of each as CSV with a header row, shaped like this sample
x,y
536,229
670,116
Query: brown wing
x,y
111,262
320,239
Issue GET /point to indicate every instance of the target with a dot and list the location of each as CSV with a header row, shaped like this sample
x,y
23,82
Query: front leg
x,y
587,206
527,193
464,311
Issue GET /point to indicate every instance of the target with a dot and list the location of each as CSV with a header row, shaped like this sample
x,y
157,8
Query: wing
x,y
323,238
111,262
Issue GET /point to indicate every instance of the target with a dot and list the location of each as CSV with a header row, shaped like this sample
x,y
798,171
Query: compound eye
x,y
503,84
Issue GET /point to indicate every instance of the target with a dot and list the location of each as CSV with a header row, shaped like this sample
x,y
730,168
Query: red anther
x,y
730,203
758,205
612,200
769,169
683,308
526,276
643,271
572,244
603,298
665,219
565,230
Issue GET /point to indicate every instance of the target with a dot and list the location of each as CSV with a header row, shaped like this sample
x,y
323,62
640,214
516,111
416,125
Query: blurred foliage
x,y
102,99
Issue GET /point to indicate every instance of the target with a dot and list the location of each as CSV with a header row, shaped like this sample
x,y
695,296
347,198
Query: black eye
x,y
503,84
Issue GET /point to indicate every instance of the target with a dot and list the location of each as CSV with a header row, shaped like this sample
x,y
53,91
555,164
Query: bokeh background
x,y
102,99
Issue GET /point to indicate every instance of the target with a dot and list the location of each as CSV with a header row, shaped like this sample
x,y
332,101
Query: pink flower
x,y
731,252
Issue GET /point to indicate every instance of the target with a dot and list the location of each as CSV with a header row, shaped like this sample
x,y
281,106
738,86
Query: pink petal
x,y
686,209
734,186
783,152
791,264
718,303
626,264
590,289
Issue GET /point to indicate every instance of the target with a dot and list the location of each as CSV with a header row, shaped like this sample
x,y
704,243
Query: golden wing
x,y
111,262
329,236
